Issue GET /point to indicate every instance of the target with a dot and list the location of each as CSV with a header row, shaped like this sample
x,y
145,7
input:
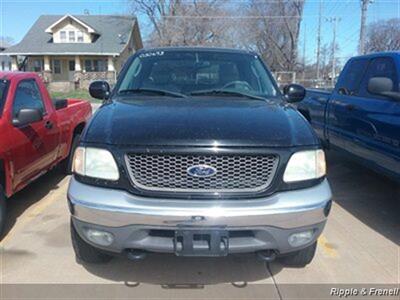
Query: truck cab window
x,y
380,67
27,95
353,76
188,72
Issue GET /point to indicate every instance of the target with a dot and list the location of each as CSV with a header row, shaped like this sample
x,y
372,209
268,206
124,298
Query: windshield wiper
x,y
225,92
155,91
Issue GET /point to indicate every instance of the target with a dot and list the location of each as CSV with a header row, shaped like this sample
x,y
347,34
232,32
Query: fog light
x,y
300,238
99,237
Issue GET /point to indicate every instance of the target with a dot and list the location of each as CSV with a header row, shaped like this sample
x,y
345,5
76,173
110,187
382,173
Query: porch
x,y
66,73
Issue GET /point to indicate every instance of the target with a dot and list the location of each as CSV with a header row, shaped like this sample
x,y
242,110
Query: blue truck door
x,y
375,120
342,105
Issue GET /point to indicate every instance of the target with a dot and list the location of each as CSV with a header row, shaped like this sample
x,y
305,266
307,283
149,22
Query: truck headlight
x,y
305,165
95,162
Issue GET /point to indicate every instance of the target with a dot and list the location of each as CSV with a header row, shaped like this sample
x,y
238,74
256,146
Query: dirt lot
x,y
360,245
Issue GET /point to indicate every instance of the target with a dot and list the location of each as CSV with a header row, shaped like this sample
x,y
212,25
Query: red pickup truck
x,y
36,132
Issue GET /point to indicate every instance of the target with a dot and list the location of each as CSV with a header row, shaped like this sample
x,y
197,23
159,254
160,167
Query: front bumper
x,y
146,223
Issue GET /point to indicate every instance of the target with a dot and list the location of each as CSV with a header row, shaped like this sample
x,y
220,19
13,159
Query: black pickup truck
x,y
196,152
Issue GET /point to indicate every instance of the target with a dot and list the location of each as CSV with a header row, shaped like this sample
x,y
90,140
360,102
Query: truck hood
x,y
200,121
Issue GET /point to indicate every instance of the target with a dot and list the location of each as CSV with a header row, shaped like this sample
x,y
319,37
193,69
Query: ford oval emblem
x,y
201,171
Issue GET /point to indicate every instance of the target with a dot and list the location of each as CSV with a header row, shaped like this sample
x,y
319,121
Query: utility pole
x,y
364,9
334,21
319,38
304,51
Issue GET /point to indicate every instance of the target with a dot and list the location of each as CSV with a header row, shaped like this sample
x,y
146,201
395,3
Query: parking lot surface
x,y
360,245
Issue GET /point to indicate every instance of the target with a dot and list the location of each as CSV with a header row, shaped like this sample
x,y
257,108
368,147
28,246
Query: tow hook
x,y
136,254
267,255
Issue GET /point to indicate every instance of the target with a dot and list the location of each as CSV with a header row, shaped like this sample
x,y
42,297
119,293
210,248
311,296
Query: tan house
x,y
71,51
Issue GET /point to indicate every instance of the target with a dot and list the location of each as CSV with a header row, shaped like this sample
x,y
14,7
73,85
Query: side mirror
x,y
26,116
294,93
60,103
99,90
382,86
344,91
379,85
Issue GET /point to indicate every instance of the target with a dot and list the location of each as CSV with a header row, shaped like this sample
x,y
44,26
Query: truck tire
x,y
87,253
300,258
3,207
67,163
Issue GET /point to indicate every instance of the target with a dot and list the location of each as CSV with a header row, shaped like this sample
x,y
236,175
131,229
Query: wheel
x,y
86,253
300,258
67,163
3,206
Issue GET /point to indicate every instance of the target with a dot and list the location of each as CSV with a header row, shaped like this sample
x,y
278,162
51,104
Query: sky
x,y
17,16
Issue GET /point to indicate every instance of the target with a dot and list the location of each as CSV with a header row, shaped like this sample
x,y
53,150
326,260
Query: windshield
x,y
3,94
198,73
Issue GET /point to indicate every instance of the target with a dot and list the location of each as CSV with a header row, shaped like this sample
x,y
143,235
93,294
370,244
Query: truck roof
x,y
199,48
16,74
378,54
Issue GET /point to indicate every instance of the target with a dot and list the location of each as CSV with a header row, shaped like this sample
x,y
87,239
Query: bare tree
x,y
383,36
274,31
177,22
270,28
327,60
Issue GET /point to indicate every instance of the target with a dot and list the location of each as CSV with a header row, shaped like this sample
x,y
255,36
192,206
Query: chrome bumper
x,y
116,208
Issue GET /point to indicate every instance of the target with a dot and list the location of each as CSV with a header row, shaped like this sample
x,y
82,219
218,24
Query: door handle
x,y
48,125
350,107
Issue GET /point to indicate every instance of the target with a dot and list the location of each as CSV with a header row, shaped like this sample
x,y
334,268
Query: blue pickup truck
x,y
361,117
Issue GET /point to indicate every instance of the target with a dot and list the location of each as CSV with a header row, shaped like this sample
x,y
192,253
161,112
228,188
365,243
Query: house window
x,y
95,65
63,36
99,65
88,65
37,65
79,35
56,66
71,65
71,36
3,67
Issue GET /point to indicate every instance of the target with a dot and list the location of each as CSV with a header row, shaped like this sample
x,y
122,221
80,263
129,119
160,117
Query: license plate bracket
x,y
201,242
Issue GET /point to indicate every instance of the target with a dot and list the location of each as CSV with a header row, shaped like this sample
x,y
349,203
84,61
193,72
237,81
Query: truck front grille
x,y
233,173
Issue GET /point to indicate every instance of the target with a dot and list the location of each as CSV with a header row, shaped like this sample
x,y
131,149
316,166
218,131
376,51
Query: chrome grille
x,y
235,173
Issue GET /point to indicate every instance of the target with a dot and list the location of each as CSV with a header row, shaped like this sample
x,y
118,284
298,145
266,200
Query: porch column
x,y
14,63
110,64
47,63
78,67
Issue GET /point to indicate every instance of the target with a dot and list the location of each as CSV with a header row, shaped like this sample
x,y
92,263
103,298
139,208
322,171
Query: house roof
x,y
4,58
108,27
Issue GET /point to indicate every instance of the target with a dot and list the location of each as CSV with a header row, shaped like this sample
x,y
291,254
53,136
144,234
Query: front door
x,y
35,144
60,70
344,101
71,70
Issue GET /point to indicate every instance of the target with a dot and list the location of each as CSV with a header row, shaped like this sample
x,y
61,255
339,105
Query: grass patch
x,y
78,94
